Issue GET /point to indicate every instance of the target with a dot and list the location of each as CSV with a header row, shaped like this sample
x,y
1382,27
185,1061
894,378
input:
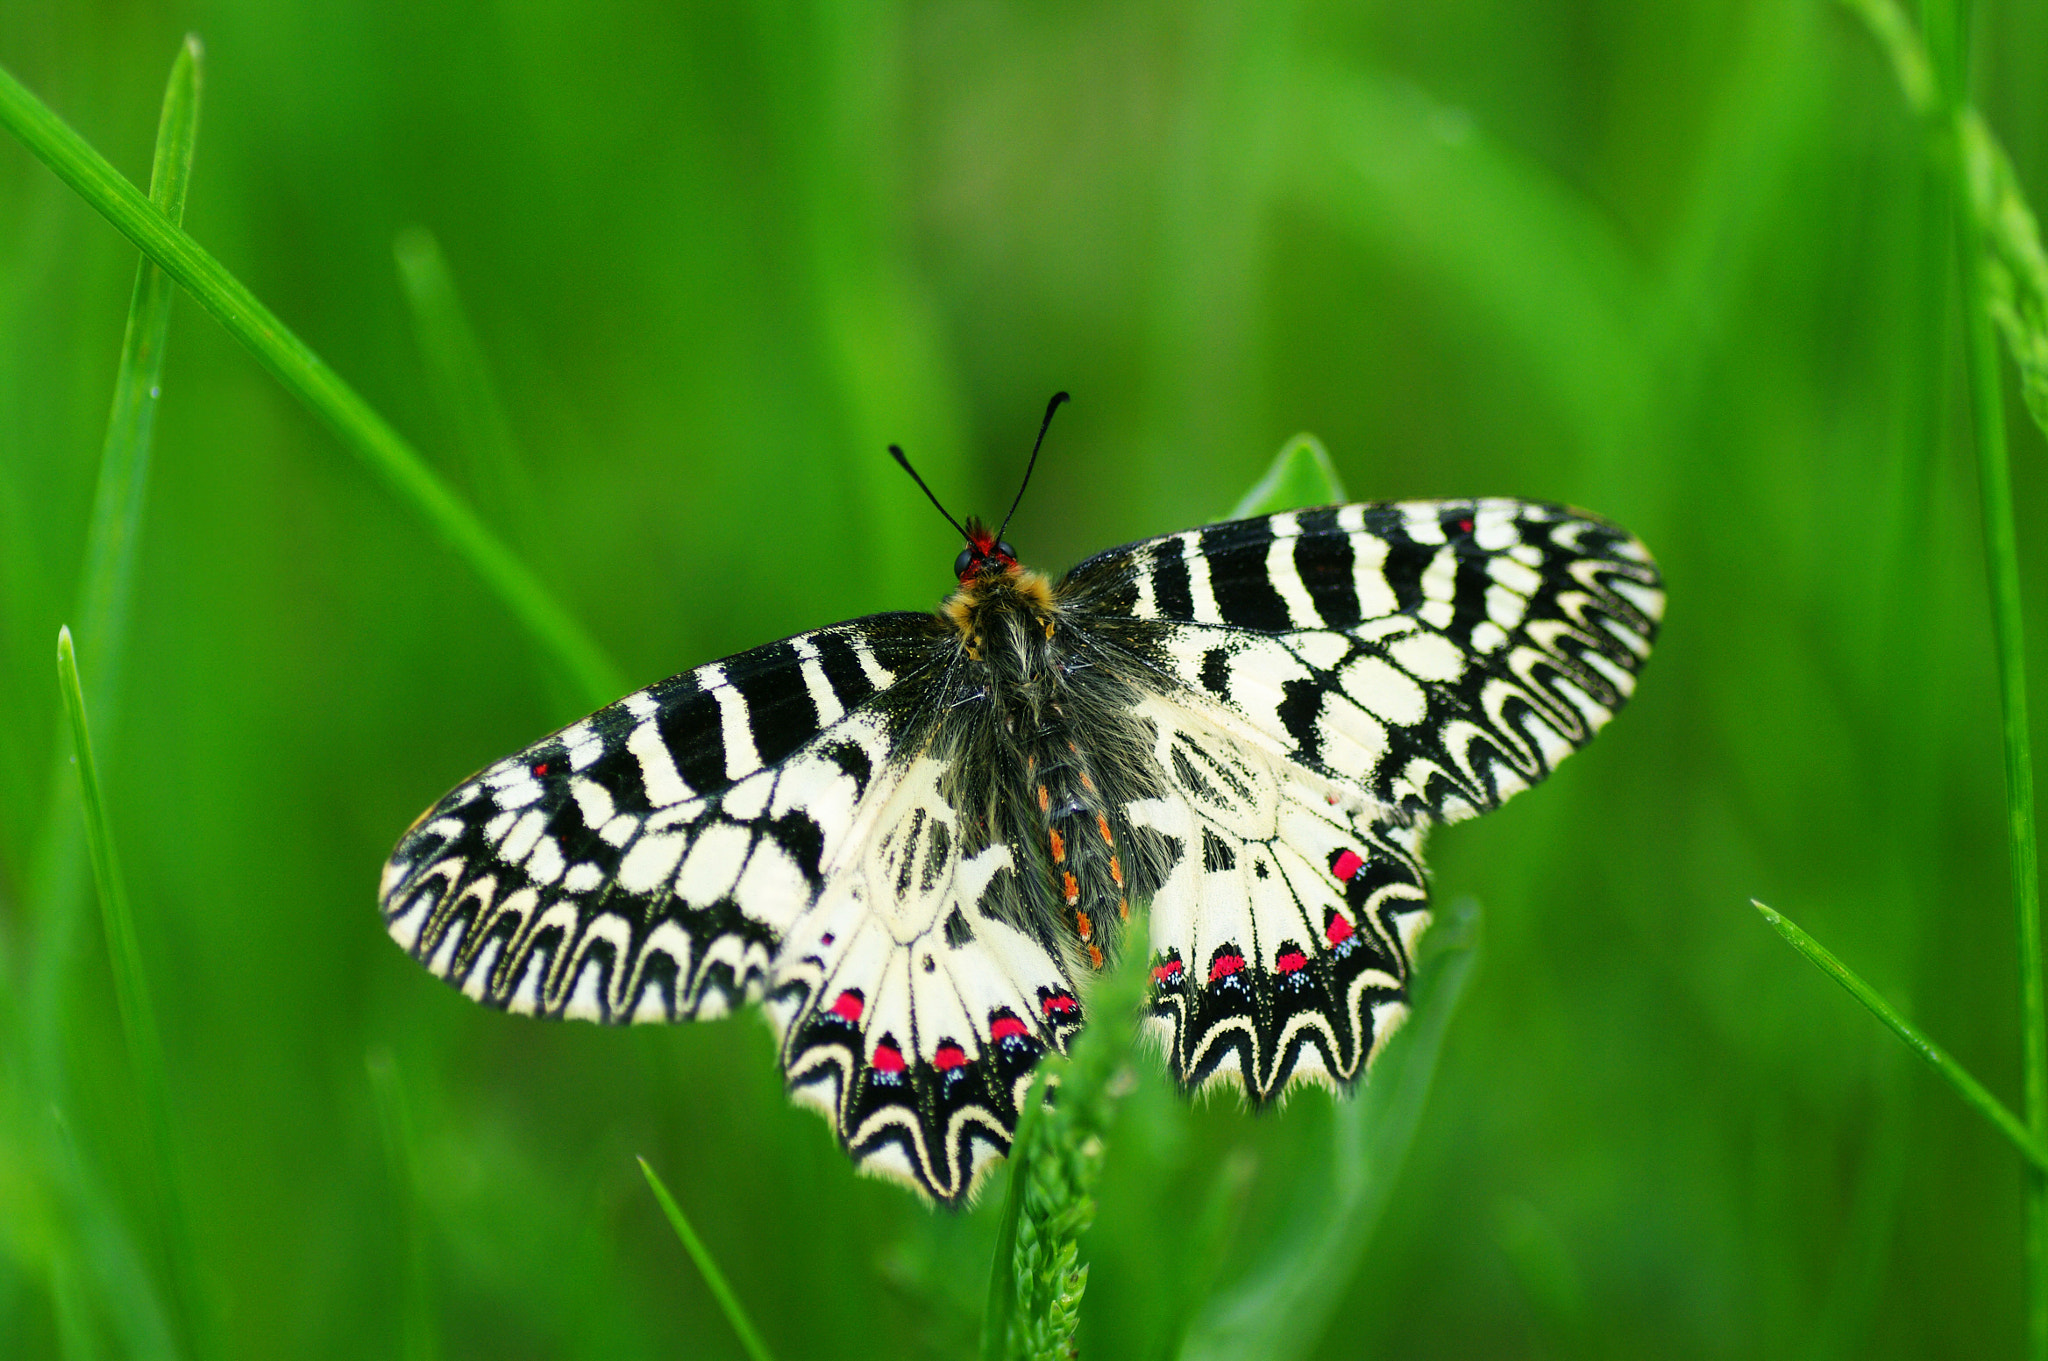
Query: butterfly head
x,y
985,555
1001,608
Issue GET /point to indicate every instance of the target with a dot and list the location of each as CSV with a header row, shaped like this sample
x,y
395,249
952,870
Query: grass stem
x,y
708,1266
1973,1092
131,990
1948,23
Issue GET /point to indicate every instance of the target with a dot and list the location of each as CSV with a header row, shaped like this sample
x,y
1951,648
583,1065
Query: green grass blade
x,y
106,588
713,1277
2004,275
460,381
1972,1091
1280,1308
307,377
107,583
418,1340
1301,475
1978,261
131,988
2014,263
111,541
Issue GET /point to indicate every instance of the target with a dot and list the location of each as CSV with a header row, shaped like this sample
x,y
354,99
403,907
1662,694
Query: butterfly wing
x,y
1282,934
760,829
1330,682
911,1008
644,862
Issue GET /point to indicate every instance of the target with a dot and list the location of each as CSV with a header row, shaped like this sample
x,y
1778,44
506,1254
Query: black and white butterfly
x,y
912,837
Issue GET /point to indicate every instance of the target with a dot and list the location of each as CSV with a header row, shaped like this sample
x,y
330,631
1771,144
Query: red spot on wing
x,y
1347,864
1225,966
1006,1026
1164,973
1291,961
949,1057
847,1007
540,768
887,1059
1464,526
1058,1003
1339,930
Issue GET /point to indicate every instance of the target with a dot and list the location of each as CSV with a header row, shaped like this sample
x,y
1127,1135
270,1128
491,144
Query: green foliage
x,y
2005,280
1686,265
1038,1277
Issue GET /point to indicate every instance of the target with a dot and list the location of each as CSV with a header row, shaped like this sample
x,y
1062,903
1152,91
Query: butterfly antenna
x,y
1045,425
898,451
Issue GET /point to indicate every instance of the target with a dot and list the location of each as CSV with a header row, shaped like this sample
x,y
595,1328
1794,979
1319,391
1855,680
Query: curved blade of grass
x,y
1301,475
1973,1092
713,1277
106,588
1281,1307
109,581
131,989
460,381
307,377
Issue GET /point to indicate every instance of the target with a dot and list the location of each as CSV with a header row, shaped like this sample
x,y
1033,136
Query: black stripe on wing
x,y
641,863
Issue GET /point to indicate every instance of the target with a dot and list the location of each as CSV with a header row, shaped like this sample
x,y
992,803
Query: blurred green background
x,y
1679,263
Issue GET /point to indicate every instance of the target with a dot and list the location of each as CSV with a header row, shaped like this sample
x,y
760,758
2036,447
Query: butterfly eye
x,y
963,562
1003,550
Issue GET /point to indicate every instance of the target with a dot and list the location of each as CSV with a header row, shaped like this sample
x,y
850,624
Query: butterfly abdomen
x,y
1091,886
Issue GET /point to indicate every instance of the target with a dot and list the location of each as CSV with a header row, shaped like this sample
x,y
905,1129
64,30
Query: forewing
x,y
1439,656
645,863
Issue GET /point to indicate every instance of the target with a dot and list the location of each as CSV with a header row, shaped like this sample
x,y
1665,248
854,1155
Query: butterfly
x,y
912,837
